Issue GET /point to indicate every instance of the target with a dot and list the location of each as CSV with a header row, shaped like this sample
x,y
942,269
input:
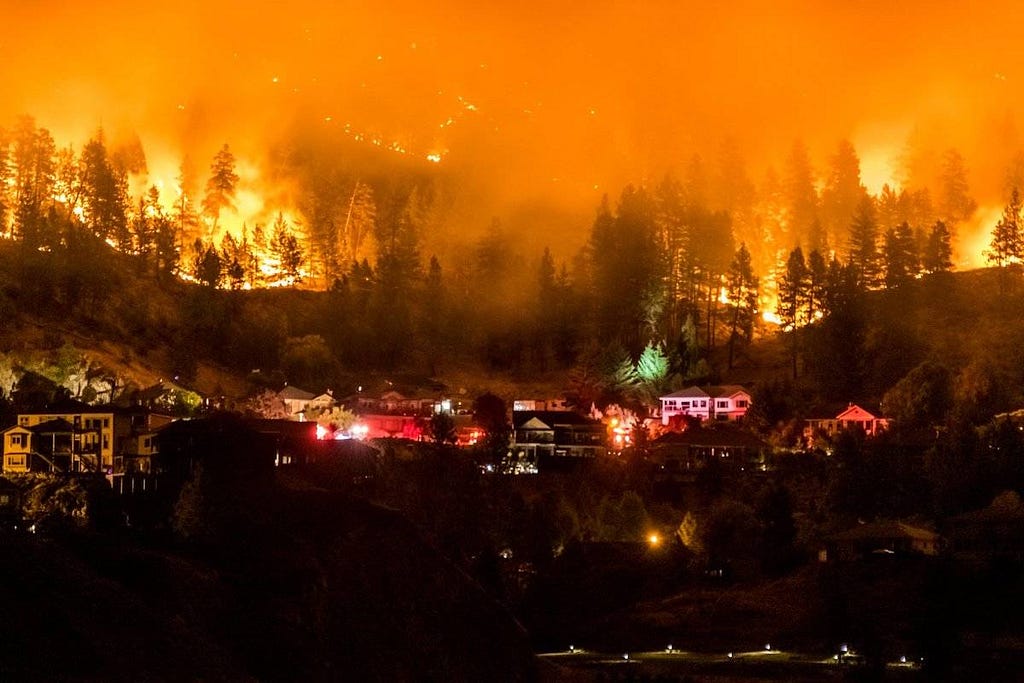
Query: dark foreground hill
x,y
327,588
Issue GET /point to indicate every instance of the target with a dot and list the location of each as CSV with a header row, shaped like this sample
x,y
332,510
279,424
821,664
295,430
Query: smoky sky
x,y
537,101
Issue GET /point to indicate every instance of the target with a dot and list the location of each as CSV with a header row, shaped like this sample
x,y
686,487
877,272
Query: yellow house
x,y
18,450
71,436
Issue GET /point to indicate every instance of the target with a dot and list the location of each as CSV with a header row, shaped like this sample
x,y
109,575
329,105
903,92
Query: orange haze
x,y
537,103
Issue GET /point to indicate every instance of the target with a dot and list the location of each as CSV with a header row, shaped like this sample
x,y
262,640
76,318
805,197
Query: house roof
x,y
713,391
57,426
16,428
290,393
884,529
551,418
726,391
855,412
688,392
1006,507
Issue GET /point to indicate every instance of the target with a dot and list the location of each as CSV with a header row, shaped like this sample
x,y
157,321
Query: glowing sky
x,y
538,100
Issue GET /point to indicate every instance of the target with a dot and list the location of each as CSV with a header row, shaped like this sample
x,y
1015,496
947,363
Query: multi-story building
x,y
726,402
68,436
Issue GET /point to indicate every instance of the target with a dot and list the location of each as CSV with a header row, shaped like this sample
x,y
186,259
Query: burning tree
x,y
221,187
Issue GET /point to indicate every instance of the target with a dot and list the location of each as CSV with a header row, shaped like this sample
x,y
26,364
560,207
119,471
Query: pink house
x,y
854,417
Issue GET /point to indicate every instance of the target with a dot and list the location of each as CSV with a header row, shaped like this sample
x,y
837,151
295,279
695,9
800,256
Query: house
x,y
695,448
548,404
167,397
549,436
854,417
295,401
992,536
881,538
726,402
68,436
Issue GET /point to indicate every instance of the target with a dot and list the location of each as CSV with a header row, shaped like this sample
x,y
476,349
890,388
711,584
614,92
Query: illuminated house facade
x,y
854,417
727,402
69,437
551,436
75,437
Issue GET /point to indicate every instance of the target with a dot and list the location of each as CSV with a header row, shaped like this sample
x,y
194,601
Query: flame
x,y
975,236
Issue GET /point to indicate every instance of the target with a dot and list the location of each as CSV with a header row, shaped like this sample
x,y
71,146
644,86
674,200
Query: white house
x,y
727,402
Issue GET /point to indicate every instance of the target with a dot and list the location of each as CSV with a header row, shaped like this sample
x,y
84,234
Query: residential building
x,y
295,401
990,537
539,436
543,404
879,539
75,437
854,417
68,436
726,402
695,448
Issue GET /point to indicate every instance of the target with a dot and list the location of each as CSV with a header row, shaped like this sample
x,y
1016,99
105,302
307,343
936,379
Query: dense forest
x,y
672,284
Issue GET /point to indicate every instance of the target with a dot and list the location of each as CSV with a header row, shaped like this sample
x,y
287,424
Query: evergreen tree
x,y
792,296
33,155
938,254
741,291
360,221
817,284
800,196
6,174
1007,245
900,252
184,215
207,268
104,194
863,247
843,190
220,187
956,203
286,249
652,372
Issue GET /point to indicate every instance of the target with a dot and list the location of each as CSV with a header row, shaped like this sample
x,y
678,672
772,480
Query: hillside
x,y
143,329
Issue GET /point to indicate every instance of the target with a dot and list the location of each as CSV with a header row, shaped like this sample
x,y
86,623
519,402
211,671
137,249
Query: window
x,y
740,403
722,404
106,422
16,439
703,404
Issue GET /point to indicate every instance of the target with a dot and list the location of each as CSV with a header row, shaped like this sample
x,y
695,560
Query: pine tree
x,y
741,290
938,254
792,297
843,191
360,220
900,252
1007,237
33,154
800,196
863,247
817,283
956,202
220,187
285,248
1007,245
652,370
